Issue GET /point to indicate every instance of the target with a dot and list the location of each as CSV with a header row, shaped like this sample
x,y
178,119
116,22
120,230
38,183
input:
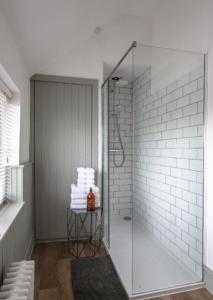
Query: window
x,y
9,138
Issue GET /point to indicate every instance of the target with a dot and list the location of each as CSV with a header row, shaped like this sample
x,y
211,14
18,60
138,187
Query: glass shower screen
x,y
153,120
168,102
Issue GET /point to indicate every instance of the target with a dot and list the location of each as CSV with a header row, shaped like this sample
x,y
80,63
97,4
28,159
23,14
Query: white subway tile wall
x,y
120,186
168,163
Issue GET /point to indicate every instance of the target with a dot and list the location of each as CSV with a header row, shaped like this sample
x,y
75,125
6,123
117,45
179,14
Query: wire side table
x,y
84,231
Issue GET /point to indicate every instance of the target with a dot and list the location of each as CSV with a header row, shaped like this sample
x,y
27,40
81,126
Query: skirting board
x,y
208,278
38,241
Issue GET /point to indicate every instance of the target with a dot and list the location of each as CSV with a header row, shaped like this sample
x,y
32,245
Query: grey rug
x,y
96,279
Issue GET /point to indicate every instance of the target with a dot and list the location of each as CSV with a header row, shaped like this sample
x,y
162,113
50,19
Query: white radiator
x,y
19,281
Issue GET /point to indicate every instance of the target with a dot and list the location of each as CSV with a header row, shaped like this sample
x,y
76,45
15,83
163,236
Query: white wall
x,y
120,188
168,163
183,24
167,65
14,66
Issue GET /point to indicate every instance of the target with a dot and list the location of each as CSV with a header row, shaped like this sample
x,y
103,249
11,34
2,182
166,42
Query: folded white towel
x,y
94,188
81,170
77,189
90,171
79,201
97,204
83,206
85,178
86,183
85,171
81,186
82,192
83,196
78,206
86,175
78,196
88,188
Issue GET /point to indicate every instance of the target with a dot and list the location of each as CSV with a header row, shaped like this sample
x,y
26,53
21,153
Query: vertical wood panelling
x,y
1,264
64,134
95,112
88,120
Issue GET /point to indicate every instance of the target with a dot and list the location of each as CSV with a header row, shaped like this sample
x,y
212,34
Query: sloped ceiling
x,y
47,28
47,32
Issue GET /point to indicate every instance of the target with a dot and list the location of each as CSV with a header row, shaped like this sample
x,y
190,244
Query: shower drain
x,y
127,218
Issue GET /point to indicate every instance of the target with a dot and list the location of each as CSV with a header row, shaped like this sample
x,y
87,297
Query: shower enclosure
x,y
153,103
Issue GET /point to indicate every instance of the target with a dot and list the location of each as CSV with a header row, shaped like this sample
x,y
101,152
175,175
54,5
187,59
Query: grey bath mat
x,y
96,279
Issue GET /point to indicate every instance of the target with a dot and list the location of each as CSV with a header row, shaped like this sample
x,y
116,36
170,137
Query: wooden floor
x,y
53,275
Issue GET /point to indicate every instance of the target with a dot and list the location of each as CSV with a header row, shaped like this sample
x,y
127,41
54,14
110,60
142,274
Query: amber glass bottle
x,y
91,201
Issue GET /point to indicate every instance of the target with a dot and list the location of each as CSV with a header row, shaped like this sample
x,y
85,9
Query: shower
x,y
118,82
152,175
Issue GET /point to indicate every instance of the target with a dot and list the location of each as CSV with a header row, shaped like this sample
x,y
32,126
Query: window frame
x,y
6,162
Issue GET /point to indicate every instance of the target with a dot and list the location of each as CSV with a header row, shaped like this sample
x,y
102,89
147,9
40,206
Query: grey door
x,y
66,124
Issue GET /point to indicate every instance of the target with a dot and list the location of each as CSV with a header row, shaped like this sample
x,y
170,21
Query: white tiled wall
x,y
121,177
168,163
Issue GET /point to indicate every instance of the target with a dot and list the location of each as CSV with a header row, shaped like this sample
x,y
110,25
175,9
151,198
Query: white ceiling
x,y
47,30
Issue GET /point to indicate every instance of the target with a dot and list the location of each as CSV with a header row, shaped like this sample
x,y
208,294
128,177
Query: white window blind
x,y
9,141
3,142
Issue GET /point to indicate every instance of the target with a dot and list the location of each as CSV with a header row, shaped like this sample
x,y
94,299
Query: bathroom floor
x,y
153,267
53,275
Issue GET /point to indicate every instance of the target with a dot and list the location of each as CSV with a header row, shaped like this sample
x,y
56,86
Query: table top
x,y
84,211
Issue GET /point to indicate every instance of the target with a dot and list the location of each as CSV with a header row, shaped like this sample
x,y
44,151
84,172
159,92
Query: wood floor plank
x,y
36,257
49,258
53,275
64,279
49,294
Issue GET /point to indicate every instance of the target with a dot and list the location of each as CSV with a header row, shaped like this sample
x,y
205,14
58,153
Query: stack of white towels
x,y
79,191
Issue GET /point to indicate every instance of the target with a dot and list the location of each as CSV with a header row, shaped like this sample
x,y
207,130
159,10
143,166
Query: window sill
x,y
8,213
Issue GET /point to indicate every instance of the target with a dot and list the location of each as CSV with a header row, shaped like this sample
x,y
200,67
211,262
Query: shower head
x,y
116,78
120,82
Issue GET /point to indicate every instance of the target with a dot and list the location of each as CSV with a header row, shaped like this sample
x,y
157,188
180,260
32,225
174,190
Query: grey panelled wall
x,y
66,136
18,242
